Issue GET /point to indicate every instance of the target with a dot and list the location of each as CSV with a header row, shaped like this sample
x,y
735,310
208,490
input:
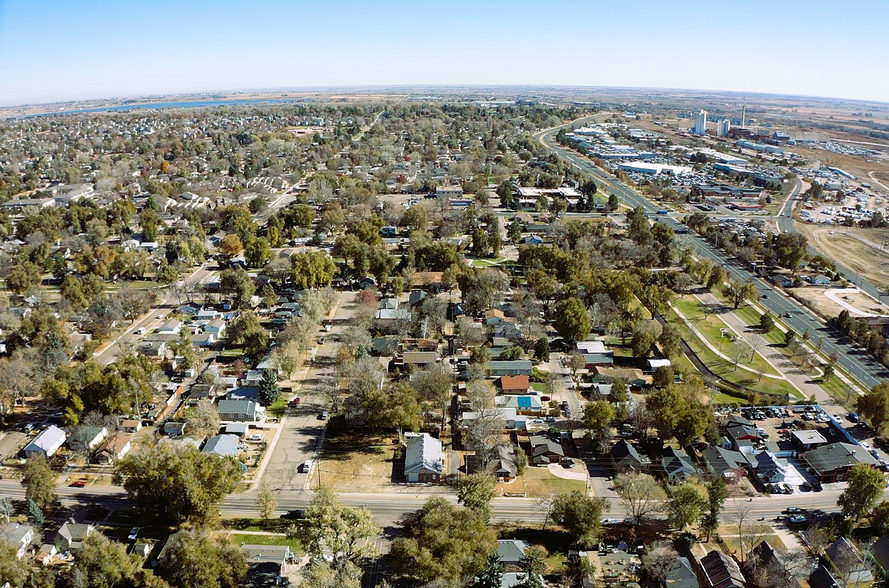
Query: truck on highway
x,y
663,211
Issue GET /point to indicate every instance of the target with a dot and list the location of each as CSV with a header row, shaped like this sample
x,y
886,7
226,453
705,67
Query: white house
x,y
171,327
46,443
424,458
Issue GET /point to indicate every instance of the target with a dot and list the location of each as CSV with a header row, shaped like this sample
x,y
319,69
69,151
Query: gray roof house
x,y
625,457
70,536
20,536
424,459
266,564
46,443
240,410
844,556
822,578
511,551
519,367
769,469
681,575
732,465
223,445
676,464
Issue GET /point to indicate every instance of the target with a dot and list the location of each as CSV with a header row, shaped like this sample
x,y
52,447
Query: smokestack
x,y
744,116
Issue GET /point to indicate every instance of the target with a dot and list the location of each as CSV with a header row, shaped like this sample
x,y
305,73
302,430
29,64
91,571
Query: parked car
x,y
797,519
322,416
78,484
255,437
305,467
134,532
792,510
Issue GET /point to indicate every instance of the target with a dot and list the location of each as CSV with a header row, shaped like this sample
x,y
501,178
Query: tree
x,y
580,515
766,323
257,252
238,284
231,246
336,531
266,501
576,362
663,376
717,492
717,276
40,482
195,558
670,341
685,504
269,391
476,491
178,484
572,320
613,202
482,290
680,411
789,337
640,494
22,277
321,574
541,349
874,406
442,542
643,340
532,565
492,575
203,420
102,563
13,570
737,291
879,517
866,485
598,417
658,560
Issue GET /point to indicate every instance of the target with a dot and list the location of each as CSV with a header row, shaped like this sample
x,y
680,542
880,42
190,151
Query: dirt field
x,y
824,306
857,249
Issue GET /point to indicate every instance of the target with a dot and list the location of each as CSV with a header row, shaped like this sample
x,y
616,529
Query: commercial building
x,y
723,127
700,123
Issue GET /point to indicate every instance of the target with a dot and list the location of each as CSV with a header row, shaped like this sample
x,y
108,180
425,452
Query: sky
x,y
59,50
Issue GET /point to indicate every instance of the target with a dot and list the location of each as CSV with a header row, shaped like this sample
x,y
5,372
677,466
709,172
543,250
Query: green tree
x,y
492,575
680,411
663,376
476,491
737,291
716,277
102,564
717,492
16,571
22,276
598,417
257,252
442,542
40,482
336,531
766,323
670,342
879,517
269,391
178,484
685,504
238,284
643,340
580,515
202,421
866,485
789,337
613,202
572,320
195,558
532,566
874,406
541,349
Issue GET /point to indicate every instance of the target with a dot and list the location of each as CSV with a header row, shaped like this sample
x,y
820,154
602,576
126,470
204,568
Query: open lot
x,y
860,250
830,302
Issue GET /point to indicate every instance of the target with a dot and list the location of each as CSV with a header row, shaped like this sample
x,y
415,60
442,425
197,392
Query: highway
x,y
854,361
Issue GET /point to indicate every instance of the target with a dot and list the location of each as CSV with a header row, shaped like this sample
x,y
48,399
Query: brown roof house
x,y
514,384
114,448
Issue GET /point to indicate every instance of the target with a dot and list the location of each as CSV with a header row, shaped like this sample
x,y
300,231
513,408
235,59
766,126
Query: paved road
x,y
854,361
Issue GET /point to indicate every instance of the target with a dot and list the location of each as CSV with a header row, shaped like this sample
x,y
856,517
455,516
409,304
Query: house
x,y
142,549
240,410
430,281
19,536
523,404
510,419
114,448
86,438
424,459
676,465
216,328
171,327
70,536
513,384
239,430
545,451
416,298
731,465
504,467
243,393
633,377
533,239
807,439
419,358
174,429
153,348
252,378
266,565
680,575
598,359
819,280
519,367
831,463
721,571
822,578
769,469
223,445
847,563
131,426
46,443
625,457
511,552
879,555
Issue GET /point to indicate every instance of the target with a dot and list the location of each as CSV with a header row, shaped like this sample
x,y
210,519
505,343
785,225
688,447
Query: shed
x,y
46,443
223,445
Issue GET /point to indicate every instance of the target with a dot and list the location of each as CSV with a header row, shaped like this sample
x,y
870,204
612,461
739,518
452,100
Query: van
x,y
141,331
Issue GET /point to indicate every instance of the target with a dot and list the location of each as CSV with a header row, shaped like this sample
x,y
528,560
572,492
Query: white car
x,y
134,532
255,437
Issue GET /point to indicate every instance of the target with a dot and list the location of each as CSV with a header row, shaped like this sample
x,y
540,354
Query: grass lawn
x,y
539,387
725,398
486,262
294,543
540,482
839,390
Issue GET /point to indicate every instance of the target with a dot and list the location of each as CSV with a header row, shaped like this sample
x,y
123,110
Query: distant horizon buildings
x,y
723,127
700,123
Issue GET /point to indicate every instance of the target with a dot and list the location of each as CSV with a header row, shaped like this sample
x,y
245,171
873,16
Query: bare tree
x,y
484,432
659,560
640,494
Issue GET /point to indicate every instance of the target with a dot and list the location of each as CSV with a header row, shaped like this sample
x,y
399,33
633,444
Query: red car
x,y
294,403
78,483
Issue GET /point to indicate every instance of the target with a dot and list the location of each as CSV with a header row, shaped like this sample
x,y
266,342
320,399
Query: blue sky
x,y
67,49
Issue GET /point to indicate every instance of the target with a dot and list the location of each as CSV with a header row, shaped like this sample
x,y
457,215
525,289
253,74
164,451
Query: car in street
x,y
792,510
134,532
78,484
305,467
293,403
549,419
322,416
797,519
788,315
609,522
